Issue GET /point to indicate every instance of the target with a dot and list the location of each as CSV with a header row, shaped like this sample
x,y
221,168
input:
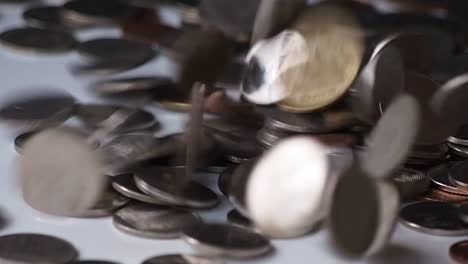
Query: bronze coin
x,y
459,252
441,196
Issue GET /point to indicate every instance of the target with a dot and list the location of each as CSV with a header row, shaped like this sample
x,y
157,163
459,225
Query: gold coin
x,y
335,44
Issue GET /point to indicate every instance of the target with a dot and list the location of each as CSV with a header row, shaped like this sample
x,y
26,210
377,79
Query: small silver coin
x,y
101,12
105,67
46,16
35,248
96,116
182,259
463,212
21,140
226,240
109,201
38,40
439,176
458,174
116,49
125,185
153,222
236,218
411,183
459,150
435,218
163,184
41,111
128,86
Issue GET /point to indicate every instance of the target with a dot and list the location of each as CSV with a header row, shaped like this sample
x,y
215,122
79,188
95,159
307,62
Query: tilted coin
x,y
461,137
436,195
144,85
226,240
391,140
434,218
21,140
96,116
267,188
150,221
161,183
60,173
363,213
459,252
458,174
236,218
109,201
411,183
463,212
38,111
182,259
105,67
327,74
35,248
116,49
439,176
102,12
125,185
38,40
47,16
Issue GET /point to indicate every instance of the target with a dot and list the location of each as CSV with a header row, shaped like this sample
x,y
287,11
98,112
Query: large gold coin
x,y
335,44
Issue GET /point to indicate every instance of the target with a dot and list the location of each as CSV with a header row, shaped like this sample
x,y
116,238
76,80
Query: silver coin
x,y
60,173
116,49
182,259
105,67
150,221
411,183
109,201
236,218
458,141
96,115
39,111
101,12
458,174
46,16
268,137
434,218
391,140
463,212
226,240
35,248
459,150
162,183
127,86
21,140
439,176
125,185
38,40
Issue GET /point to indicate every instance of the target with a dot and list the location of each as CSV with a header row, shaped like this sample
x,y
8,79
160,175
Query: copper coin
x,y
441,196
459,252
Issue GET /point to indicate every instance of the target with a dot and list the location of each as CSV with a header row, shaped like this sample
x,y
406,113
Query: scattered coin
x,y
236,218
35,248
182,259
459,252
102,12
154,222
21,140
433,218
116,49
439,176
125,185
411,183
226,240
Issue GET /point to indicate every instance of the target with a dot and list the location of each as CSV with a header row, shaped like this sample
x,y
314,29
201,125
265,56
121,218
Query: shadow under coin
x,y
397,254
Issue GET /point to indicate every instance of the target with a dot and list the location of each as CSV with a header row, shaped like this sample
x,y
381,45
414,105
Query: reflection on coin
x,y
411,183
60,173
459,150
226,240
437,195
182,259
435,218
150,221
459,251
336,47
21,140
109,201
100,12
125,185
162,183
439,176
35,248
236,218
116,49
458,174
38,40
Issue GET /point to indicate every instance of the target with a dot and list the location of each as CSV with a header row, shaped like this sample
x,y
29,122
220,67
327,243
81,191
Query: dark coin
x,y
232,75
35,248
105,67
432,151
181,259
101,12
459,252
463,212
459,150
411,183
225,179
47,17
458,174
116,49
439,176
461,137
153,222
433,218
21,140
145,86
38,40
437,195
238,185
226,240
125,185
162,183
237,218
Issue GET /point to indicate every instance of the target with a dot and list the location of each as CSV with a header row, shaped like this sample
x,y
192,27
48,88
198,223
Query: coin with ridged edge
x,y
125,185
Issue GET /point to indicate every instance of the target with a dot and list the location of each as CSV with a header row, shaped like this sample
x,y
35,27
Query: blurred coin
x,y
232,75
60,173
161,183
463,212
226,240
411,183
95,116
182,259
35,248
47,16
37,40
459,252
105,67
236,218
326,29
154,222
236,187
461,136
432,151
101,12
21,140
268,136
224,180
391,140
145,85
125,185
116,49
109,201
458,174
439,176
437,195
458,150
434,218
94,262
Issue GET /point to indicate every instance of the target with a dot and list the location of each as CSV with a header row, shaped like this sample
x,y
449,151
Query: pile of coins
x,y
303,110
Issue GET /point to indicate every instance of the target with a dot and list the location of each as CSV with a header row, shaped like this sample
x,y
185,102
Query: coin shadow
x,y
397,254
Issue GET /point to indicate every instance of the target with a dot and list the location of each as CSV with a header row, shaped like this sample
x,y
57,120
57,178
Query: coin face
x,y
35,248
60,173
433,218
226,240
181,259
459,251
125,185
150,221
335,44
458,174
37,40
117,49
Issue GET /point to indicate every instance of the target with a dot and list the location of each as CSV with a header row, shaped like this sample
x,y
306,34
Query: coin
x,y
267,182
60,174
434,218
145,85
21,140
104,67
109,201
35,248
391,140
125,185
237,185
432,151
362,230
116,49
38,111
160,182
181,259
458,174
94,262
47,16
461,137
226,240
97,116
459,252
236,218
154,222
439,176
463,212
411,182
102,12
224,180
437,195
36,40
327,74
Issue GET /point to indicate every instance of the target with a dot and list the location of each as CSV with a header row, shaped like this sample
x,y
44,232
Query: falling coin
x,y
145,85
125,185
182,259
